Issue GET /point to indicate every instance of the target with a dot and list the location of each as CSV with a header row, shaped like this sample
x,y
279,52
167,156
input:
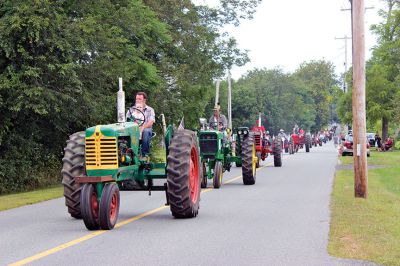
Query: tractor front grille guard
x,y
101,153
208,144
257,139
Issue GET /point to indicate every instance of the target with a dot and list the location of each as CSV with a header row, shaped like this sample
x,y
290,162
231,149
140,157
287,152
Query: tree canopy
x,y
60,61
382,74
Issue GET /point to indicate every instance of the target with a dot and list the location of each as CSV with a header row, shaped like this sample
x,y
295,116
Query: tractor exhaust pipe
x,y
120,102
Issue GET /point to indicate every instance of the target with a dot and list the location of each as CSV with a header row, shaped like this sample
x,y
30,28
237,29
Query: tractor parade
x,y
200,132
103,160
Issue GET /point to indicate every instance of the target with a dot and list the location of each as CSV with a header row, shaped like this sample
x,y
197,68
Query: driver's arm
x,y
151,119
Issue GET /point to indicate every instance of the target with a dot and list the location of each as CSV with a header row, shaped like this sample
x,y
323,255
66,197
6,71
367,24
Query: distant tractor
x,y
265,145
299,140
218,152
103,159
315,141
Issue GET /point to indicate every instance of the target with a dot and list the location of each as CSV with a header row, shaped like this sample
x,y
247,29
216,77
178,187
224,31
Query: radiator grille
x,y
257,139
101,152
208,144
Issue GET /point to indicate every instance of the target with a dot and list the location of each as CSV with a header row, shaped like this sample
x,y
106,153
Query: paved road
x,y
282,220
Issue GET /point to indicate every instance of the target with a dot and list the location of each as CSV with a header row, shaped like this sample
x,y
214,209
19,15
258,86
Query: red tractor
x,y
298,140
315,140
265,145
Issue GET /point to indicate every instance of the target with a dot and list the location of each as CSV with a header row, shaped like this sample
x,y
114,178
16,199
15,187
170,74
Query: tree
x,y
383,69
60,60
280,97
319,77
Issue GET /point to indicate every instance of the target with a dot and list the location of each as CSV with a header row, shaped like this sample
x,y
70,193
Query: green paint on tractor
x,y
218,153
107,158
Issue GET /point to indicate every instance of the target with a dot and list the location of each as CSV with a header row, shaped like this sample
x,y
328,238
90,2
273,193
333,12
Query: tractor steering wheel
x,y
215,125
131,118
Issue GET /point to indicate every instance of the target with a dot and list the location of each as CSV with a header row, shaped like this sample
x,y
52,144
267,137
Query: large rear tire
x,y
73,165
109,206
183,175
249,160
277,152
217,177
90,206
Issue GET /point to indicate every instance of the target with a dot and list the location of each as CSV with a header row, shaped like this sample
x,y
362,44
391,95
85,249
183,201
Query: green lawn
x,y
390,158
368,229
20,199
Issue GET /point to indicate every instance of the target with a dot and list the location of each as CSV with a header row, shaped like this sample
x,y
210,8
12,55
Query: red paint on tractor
x,y
194,175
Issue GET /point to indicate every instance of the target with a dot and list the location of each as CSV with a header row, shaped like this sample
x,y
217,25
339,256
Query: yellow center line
x,y
100,232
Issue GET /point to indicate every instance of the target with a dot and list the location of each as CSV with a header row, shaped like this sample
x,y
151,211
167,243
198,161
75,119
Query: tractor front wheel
x,y
291,147
204,176
249,160
183,175
308,143
109,206
217,177
258,154
277,152
90,206
73,165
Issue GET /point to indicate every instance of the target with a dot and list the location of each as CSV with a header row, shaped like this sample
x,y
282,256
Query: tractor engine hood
x,y
114,130
102,145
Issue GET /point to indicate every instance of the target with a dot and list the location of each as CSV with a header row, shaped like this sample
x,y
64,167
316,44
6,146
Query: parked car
x,y
348,146
371,139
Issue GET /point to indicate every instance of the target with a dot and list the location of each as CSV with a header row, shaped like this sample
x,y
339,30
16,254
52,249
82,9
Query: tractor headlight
x,y
239,132
245,132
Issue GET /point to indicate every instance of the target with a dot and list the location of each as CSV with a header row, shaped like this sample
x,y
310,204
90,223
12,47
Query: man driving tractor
x,y
136,113
218,120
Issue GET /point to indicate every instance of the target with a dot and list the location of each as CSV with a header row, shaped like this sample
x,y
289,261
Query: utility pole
x,y
345,38
217,92
229,100
359,116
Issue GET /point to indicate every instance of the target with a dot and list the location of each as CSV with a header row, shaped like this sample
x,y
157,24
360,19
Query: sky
x,y
285,33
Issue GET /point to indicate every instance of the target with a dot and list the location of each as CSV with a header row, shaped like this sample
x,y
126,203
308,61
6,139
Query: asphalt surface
x,y
281,220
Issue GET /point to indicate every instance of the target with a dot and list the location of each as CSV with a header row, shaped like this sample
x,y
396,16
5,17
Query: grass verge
x,y
25,198
368,229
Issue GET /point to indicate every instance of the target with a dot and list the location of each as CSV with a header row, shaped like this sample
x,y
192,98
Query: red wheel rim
x,y
95,205
194,175
114,206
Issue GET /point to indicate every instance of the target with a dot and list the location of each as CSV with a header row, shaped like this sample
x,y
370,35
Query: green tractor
x,y
103,159
218,155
